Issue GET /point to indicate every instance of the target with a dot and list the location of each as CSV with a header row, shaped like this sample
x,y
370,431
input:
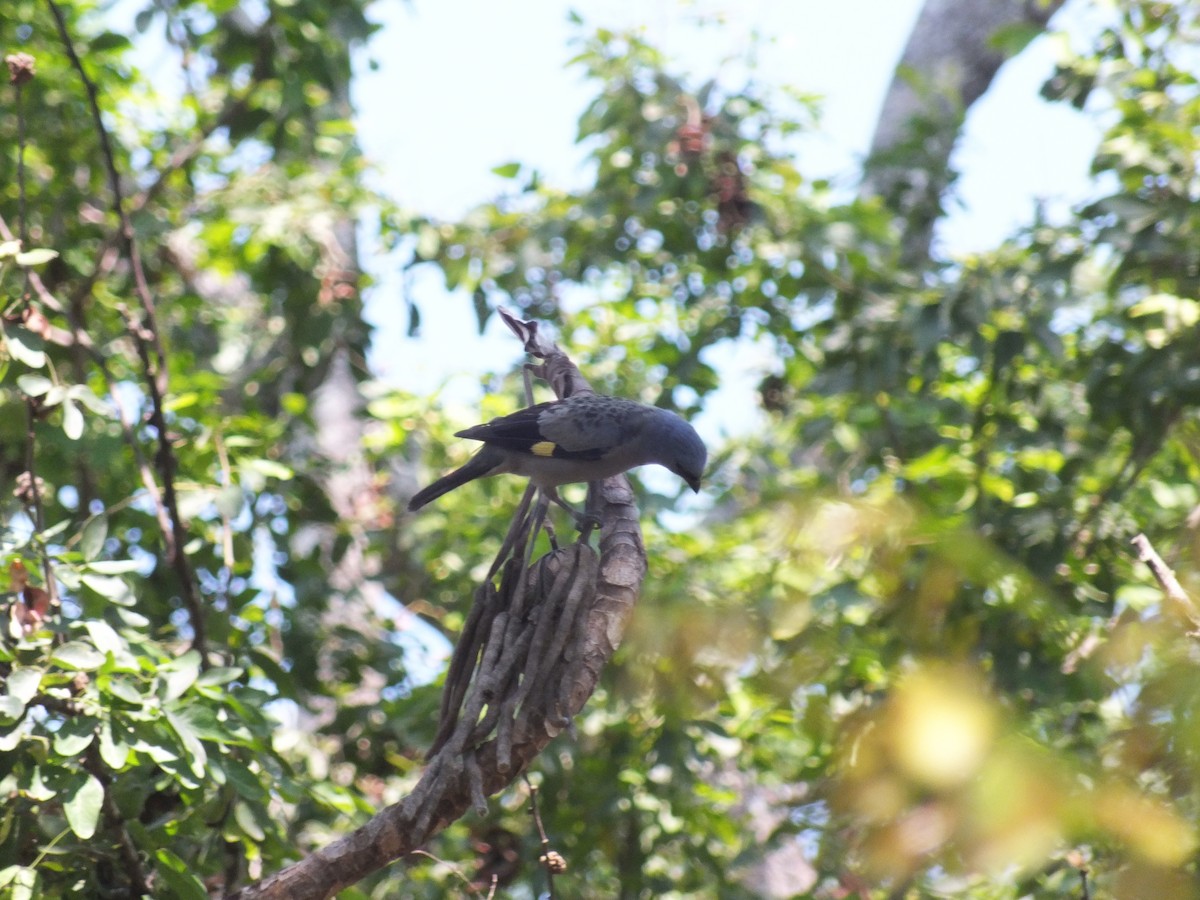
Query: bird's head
x,y
680,449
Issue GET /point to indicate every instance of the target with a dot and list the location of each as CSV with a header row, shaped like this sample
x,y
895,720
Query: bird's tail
x,y
481,465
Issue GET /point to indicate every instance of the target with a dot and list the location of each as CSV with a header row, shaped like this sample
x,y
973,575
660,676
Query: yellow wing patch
x,y
543,448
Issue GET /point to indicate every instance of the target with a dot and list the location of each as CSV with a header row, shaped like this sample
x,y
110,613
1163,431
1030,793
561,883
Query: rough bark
x,y
950,60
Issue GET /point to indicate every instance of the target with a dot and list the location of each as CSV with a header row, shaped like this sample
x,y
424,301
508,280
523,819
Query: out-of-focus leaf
x,y
82,803
92,536
22,683
72,420
25,346
178,877
35,257
35,385
78,655
179,675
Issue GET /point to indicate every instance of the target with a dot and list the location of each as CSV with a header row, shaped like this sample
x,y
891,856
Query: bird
x,y
584,437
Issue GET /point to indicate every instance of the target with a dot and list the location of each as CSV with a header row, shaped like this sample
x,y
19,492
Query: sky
x,y
459,87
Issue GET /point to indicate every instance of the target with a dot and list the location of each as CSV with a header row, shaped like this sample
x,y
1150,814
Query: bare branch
x,y
1166,578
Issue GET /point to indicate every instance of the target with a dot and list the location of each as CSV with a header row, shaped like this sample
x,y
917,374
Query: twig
x,y
21,69
153,356
34,494
139,882
552,861
457,872
1166,578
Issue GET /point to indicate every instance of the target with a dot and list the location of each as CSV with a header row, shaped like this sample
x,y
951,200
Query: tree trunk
x,y
954,51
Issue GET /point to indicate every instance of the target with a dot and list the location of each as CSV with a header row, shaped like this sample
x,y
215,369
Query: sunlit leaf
x,y
35,257
22,684
24,346
72,420
178,877
82,803
77,655
92,536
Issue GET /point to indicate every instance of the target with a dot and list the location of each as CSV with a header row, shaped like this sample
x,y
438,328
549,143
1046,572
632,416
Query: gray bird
x,y
585,437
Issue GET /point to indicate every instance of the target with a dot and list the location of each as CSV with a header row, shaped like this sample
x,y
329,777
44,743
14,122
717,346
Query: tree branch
x,y
1166,578
533,663
948,63
148,340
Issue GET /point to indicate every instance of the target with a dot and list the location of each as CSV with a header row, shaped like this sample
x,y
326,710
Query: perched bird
x,y
585,437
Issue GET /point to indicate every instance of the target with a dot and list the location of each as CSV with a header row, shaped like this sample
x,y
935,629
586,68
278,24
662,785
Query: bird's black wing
x,y
522,432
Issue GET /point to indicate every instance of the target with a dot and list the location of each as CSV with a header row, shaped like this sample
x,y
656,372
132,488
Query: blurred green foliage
x,y
904,651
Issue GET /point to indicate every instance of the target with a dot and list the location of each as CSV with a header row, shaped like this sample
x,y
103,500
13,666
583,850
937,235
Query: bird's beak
x,y
693,483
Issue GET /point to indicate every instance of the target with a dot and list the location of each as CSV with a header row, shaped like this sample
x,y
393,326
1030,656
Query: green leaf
x,y
37,788
78,655
153,740
23,683
113,749
108,40
230,500
11,708
1012,39
220,675
114,566
35,257
334,797
245,782
34,385
109,586
180,674
202,720
197,756
123,689
104,637
82,806
248,822
181,401
178,878
75,736
269,468
10,736
294,404
483,311
1139,596
25,346
21,882
508,170
84,395
72,420
92,536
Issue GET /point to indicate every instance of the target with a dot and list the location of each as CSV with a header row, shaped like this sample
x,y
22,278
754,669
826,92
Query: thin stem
x,y
148,339
550,860
23,222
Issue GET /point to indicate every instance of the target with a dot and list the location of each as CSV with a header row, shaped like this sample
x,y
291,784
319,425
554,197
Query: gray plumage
x,y
585,437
